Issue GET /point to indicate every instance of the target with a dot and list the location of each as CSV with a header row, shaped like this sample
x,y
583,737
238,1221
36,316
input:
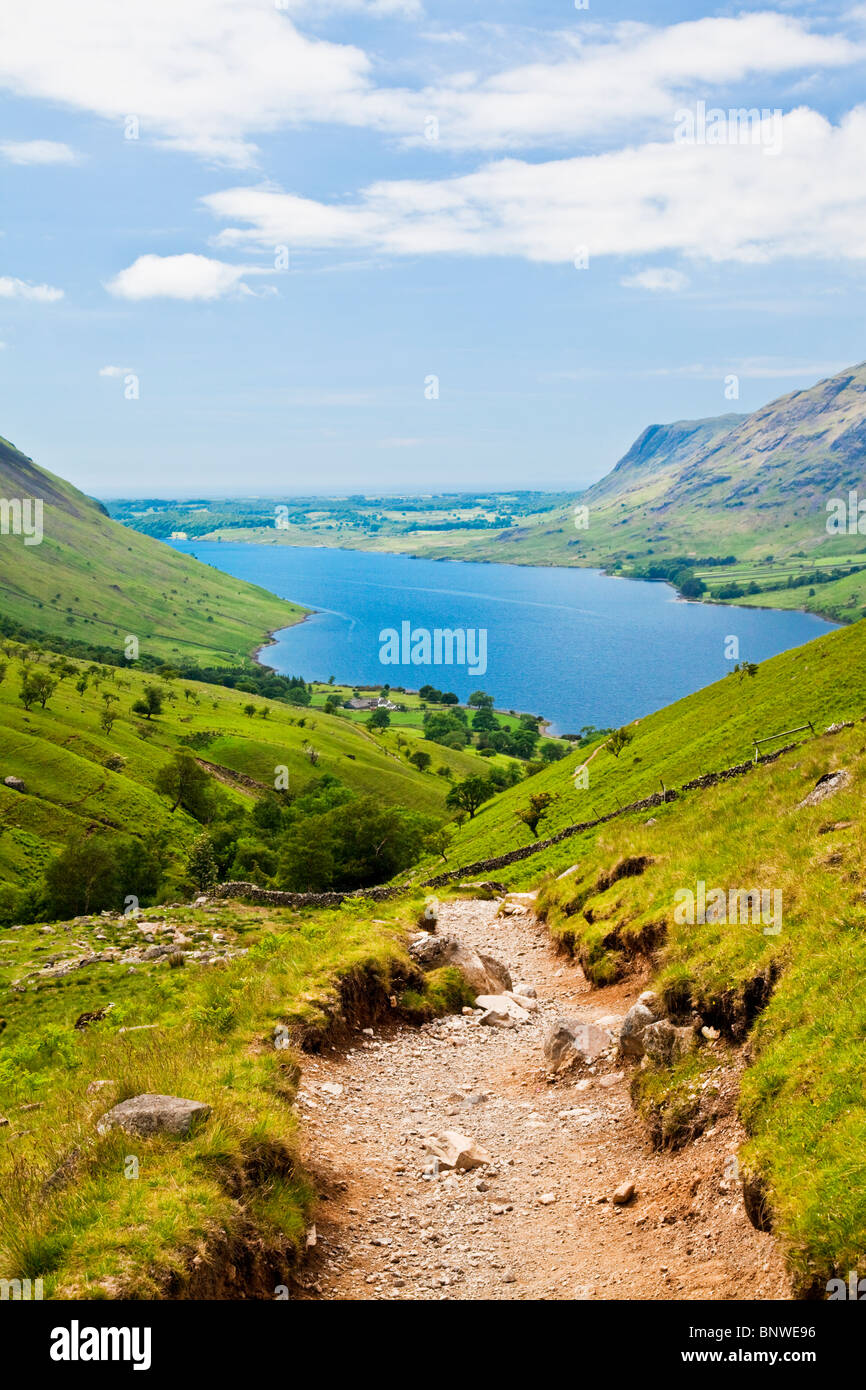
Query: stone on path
x,y
623,1194
569,1040
456,1150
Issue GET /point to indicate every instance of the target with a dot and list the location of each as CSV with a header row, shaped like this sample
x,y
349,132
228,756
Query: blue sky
x,y
431,172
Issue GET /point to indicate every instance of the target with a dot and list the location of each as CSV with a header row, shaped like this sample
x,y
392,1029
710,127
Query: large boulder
x,y
15,784
149,1114
456,1150
482,973
570,1040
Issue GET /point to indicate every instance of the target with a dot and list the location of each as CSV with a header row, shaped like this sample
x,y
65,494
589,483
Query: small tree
x,y
531,815
150,703
420,759
379,719
201,864
107,719
250,711
439,841
469,795
188,785
27,693
618,740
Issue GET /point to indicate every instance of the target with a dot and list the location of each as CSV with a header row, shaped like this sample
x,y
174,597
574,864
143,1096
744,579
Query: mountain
x,y
661,451
94,581
742,479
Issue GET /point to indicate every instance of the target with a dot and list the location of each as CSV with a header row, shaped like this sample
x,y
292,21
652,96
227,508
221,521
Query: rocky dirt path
x,y
539,1222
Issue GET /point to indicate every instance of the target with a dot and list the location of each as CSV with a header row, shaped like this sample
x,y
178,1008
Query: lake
x,y
575,645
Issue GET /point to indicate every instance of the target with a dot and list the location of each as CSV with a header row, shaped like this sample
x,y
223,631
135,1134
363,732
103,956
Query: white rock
x,y
456,1150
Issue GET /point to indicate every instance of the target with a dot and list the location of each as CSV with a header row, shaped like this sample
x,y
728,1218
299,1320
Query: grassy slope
x,y
102,1233
60,753
802,1098
96,581
822,681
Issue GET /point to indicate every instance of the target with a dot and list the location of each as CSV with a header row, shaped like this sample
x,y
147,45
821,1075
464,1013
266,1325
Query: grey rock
x,y
664,1044
15,784
570,1040
146,1115
825,786
636,1020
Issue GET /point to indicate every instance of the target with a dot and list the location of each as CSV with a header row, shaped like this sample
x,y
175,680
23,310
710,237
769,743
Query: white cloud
x,y
374,9
37,152
715,203
202,75
115,371
656,278
10,288
211,75
186,276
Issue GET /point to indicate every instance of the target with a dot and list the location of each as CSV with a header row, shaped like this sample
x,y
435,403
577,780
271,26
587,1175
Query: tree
x,y
4,666
188,785
479,700
151,702
484,719
550,752
469,795
420,759
439,841
201,863
618,740
361,841
107,719
99,871
249,711
379,719
531,815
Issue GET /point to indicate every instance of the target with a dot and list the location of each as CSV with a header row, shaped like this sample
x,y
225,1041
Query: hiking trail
x,y
539,1222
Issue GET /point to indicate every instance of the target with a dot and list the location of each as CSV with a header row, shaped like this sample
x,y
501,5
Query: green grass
x,y
104,1233
799,996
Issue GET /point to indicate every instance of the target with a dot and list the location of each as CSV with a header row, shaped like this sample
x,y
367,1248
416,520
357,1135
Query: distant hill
x,y
95,581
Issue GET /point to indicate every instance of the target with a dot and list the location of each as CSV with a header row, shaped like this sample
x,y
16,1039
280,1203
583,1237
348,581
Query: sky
x,y
281,247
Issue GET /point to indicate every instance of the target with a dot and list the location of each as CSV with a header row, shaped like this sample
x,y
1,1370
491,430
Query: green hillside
x,y
81,778
794,996
95,581
822,682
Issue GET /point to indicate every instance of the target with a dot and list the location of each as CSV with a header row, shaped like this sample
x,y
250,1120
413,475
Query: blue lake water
x,y
574,645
